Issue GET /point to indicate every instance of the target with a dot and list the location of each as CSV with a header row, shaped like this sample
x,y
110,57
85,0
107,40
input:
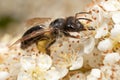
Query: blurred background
x,y
14,13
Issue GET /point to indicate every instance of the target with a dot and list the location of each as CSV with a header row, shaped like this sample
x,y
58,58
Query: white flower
x,y
109,70
116,17
111,58
102,31
94,75
44,62
24,76
115,32
105,45
78,63
27,63
111,5
89,45
91,78
34,69
4,75
52,74
72,61
56,73
62,71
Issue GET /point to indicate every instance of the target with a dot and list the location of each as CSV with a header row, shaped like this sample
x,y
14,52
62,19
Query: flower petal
x,y
44,61
102,31
111,58
27,63
4,75
116,17
56,73
78,63
62,72
115,32
96,73
105,45
111,5
24,76
52,74
89,45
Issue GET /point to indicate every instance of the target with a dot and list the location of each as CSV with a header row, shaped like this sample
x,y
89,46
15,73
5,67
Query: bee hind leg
x,y
48,47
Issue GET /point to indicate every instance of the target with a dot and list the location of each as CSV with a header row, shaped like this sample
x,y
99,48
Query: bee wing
x,y
32,35
36,21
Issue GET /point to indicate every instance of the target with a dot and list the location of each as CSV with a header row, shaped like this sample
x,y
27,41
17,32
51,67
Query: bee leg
x,y
48,51
69,35
41,45
81,13
48,47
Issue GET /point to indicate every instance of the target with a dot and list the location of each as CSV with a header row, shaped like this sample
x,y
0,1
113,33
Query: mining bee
x,y
45,37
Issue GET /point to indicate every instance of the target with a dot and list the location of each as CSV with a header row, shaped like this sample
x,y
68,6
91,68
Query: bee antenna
x,y
85,19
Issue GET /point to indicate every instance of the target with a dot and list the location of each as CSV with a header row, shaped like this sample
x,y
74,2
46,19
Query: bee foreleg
x,y
69,35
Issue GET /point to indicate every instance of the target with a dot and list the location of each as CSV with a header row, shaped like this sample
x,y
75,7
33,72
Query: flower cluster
x,y
95,56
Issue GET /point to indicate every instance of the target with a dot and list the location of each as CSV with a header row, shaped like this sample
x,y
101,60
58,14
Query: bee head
x,y
73,25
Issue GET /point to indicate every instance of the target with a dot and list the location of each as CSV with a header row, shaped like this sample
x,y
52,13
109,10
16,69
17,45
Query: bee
x,y
45,37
